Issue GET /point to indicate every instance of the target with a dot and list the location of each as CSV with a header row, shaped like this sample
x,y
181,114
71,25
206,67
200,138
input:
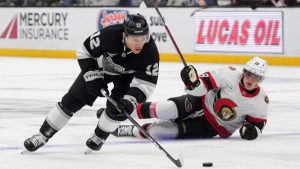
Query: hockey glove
x,y
249,132
95,82
125,106
189,77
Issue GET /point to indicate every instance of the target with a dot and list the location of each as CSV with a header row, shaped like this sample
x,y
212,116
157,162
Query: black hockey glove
x,y
95,82
125,106
189,77
248,131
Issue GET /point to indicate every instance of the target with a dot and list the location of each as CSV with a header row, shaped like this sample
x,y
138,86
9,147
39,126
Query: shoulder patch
x,y
231,68
266,99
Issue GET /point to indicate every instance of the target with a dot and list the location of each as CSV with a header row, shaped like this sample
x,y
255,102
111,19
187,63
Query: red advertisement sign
x,y
239,32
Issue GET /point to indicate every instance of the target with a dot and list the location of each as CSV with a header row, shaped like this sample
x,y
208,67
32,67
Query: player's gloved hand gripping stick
x,y
177,162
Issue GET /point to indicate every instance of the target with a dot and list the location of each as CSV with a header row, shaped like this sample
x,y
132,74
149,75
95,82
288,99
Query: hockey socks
x,y
165,110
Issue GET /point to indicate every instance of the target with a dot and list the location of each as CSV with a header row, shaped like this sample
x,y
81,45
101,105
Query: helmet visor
x,y
137,39
253,76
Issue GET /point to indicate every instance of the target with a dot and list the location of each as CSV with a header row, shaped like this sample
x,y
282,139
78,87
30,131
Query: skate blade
x,y
88,151
25,151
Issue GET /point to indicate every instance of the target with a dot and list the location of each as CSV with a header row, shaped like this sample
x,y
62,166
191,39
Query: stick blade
x,y
179,162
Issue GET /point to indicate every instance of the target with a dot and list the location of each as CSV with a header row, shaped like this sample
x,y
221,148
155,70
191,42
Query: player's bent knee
x,y
186,105
70,104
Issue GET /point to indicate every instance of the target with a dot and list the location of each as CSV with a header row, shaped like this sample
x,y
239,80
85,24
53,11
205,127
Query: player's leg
x,y
111,117
60,114
197,127
173,108
159,130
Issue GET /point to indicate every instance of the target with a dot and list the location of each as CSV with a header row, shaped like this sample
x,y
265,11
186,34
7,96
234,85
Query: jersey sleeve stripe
x,y
258,122
146,87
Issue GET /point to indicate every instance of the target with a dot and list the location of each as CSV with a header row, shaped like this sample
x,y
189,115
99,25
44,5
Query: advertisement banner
x,y
111,17
255,32
38,26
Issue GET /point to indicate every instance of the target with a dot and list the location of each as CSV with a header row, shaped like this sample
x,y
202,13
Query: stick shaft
x,y
170,34
176,162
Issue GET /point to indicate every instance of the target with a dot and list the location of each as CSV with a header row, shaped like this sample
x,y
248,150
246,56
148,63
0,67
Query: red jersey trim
x,y
208,81
255,120
212,80
223,132
245,93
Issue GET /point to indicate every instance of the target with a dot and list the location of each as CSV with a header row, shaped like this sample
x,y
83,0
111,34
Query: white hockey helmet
x,y
257,66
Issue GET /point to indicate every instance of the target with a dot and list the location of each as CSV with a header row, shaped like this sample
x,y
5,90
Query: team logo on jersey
x,y
266,99
188,105
225,109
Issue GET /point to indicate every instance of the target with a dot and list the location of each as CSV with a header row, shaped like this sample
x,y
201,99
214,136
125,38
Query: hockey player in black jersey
x,y
122,54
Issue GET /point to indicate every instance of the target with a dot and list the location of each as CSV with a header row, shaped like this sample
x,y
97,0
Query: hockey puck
x,y
207,164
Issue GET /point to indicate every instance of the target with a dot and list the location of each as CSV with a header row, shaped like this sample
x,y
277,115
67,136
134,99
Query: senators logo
x,y
225,109
188,105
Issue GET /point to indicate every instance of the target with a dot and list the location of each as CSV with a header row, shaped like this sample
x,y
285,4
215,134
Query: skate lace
x,y
125,130
37,140
97,139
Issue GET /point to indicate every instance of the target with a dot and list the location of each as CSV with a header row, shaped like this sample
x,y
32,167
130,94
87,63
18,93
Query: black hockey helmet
x,y
135,24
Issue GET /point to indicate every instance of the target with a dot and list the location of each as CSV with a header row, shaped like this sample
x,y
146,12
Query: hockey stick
x,y
177,162
169,33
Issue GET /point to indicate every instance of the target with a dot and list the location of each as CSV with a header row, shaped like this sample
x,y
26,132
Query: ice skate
x,y
123,131
35,142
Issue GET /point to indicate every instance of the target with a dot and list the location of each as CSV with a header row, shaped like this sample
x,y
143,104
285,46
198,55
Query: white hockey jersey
x,y
226,104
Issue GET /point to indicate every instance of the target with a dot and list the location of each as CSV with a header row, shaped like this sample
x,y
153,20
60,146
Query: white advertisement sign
x,y
37,25
258,32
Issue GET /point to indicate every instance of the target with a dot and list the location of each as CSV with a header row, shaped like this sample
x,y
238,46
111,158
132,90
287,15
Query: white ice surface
x,y
30,87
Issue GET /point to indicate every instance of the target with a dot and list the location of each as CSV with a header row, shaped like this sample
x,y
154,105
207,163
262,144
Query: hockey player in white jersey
x,y
218,102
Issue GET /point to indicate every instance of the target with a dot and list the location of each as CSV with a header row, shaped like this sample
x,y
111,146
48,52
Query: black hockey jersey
x,y
106,51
